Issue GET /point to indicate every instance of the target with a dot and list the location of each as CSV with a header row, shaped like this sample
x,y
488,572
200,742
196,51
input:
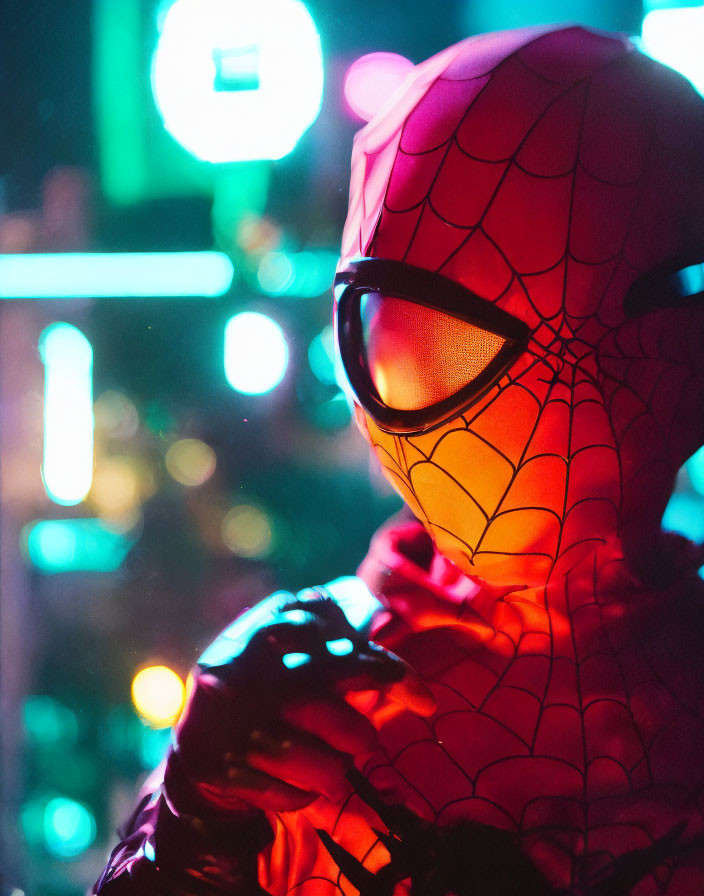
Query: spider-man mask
x,y
505,297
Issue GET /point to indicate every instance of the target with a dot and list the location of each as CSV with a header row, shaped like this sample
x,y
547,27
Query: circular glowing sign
x,y
237,80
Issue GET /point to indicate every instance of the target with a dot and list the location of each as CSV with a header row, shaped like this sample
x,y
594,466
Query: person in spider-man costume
x,y
513,703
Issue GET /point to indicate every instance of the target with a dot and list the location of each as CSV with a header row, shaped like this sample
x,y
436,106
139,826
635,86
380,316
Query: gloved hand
x,y
266,725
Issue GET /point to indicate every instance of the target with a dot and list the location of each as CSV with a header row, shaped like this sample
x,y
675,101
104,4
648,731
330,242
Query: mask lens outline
x,y
395,279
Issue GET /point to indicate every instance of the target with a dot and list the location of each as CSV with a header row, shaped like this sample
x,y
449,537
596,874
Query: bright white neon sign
x,y
238,80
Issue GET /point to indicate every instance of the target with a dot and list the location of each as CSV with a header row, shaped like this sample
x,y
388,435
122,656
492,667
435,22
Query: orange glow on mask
x,y
417,356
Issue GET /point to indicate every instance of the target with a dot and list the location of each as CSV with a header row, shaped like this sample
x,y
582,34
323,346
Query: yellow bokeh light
x,y
190,682
246,530
115,487
255,234
116,415
190,461
158,695
120,484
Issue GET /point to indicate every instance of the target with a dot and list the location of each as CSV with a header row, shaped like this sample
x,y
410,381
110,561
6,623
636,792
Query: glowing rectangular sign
x,y
115,275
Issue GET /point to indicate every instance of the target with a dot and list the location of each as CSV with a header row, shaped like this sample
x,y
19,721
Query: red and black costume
x,y
520,313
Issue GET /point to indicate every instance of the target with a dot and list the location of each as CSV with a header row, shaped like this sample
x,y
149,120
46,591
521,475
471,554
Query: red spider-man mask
x,y
504,300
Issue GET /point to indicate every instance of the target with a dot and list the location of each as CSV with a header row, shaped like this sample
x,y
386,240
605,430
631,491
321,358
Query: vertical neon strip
x,y
119,98
67,469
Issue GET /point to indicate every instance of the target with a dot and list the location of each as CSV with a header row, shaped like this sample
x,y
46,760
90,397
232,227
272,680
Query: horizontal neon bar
x,y
114,275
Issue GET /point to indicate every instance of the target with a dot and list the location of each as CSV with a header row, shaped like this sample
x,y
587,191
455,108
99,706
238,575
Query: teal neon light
x,y
321,356
695,469
304,274
340,646
114,275
69,827
79,545
685,514
294,660
48,722
67,467
154,742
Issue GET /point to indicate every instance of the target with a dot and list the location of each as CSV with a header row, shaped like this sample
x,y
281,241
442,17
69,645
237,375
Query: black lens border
x,y
414,284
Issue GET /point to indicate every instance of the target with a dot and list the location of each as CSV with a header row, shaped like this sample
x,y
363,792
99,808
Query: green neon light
x,y
119,98
240,189
79,545
115,274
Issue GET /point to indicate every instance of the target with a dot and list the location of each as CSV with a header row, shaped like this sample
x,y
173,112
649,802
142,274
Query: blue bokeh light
x,y
69,827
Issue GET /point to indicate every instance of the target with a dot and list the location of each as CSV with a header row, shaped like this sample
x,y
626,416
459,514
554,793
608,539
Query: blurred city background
x,y
173,442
